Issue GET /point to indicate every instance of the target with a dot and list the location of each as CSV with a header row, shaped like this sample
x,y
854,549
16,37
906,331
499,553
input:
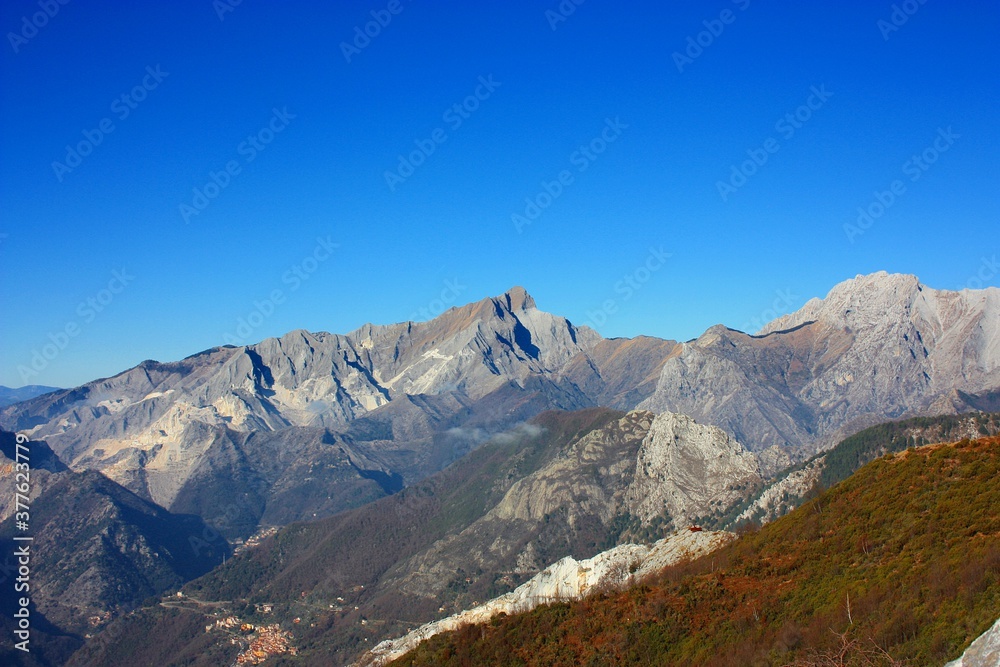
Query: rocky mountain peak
x,y
860,300
878,346
517,298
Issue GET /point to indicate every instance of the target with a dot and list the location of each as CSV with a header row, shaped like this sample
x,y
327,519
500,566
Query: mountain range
x,y
372,410
420,469
384,406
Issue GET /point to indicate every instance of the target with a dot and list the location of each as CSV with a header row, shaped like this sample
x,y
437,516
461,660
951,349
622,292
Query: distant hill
x,y
901,561
9,395
98,551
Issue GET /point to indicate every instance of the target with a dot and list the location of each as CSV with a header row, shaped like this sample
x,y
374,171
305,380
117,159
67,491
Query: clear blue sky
x,y
206,85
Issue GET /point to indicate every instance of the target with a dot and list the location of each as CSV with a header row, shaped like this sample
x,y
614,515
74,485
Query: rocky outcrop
x,y
568,579
877,347
984,652
641,466
686,470
783,494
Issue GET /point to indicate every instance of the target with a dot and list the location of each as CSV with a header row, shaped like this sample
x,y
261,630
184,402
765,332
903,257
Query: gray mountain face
x,y
687,470
355,415
325,422
877,347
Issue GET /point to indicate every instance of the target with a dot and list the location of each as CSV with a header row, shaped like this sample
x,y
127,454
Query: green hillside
x,y
863,447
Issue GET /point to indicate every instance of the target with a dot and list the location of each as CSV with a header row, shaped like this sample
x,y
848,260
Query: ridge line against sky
x,y
174,170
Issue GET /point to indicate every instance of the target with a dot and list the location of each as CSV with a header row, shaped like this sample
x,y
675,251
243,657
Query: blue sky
x,y
242,190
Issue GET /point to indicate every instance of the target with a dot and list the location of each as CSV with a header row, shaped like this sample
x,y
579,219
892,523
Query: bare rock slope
x,y
688,469
568,579
877,347
984,652
393,402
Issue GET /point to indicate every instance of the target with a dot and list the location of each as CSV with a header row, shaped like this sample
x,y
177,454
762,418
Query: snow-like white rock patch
x,y
984,652
567,579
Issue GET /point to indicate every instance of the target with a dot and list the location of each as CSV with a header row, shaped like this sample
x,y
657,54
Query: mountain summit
x,y
519,299
878,347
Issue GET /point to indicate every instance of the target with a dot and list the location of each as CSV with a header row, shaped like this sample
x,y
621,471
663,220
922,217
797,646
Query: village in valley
x,y
258,642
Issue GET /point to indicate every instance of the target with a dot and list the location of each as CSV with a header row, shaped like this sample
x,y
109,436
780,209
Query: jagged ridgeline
x,y
899,562
313,423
